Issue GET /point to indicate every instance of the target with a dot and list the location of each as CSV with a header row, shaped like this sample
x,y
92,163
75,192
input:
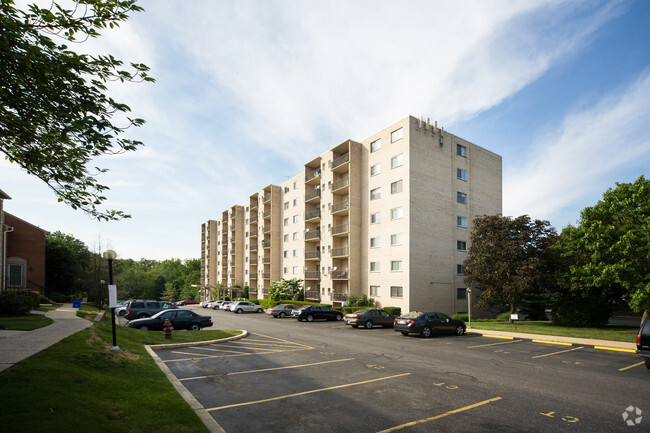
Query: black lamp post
x,y
110,255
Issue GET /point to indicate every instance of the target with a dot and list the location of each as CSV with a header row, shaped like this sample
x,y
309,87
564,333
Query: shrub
x,y
59,298
360,301
461,316
395,311
503,317
580,312
16,304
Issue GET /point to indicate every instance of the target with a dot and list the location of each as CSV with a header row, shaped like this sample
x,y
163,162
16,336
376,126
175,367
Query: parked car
x,y
224,305
215,304
204,304
312,312
281,310
185,302
139,308
245,307
369,317
121,310
426,324
643,342
180,319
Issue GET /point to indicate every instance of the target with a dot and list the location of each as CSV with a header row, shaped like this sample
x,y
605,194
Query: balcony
x,y
312,255
252,289
312,175
312,215
267,197
232,263
266,229
312,196
343,159
266,244
313,295
266,260
312,275
253,204
339,297
252,262
265,291
267,213
253,219
266,275
340,207
253,233
340,252
342,229
232,227
312,235
340,275
252,247
340,186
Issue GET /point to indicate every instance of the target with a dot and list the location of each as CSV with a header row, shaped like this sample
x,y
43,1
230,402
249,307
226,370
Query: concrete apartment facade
x,y
389,216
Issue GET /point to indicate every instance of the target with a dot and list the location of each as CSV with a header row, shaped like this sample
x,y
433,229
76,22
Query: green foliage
x,y
461,316
67,264
55,114
507,258
575,311
244,292
285,289
170,279
395,311
360,301
17,303
607,255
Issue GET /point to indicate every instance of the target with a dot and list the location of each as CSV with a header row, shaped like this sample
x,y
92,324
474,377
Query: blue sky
x,y
248,91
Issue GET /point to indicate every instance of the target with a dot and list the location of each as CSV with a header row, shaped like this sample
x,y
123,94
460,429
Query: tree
x,y
285,289
506,258
67,264
55,114
607,254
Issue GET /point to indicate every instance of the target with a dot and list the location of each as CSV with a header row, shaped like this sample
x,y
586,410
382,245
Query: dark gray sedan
x,y
179,318
426,324
369,317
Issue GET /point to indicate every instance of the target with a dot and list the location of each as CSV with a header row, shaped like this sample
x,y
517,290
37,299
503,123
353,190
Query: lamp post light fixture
x,y
110,255
469,307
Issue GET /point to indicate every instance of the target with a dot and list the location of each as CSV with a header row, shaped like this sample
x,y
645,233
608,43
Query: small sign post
x,y
514,318
112,296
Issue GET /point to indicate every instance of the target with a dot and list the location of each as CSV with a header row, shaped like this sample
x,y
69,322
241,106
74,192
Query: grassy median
x,y
79,385
625,334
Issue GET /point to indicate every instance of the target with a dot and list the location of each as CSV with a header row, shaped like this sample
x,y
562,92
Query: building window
x,y
374,242
286,189
295,185
375,169
295,253
396,187
395,291
396,161
396,239
286,253
296,269
461,150
295,236
375,218
395,265
374,266
286,221
461,245
286,205
374,290
295,218
375,145
295,202
460,269
397,213
461,221
286,238
398,134
285,270
375,194
461,174
461,198
461,293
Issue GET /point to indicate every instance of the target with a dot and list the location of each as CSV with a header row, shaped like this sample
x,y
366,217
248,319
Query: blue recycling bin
x,y
76,304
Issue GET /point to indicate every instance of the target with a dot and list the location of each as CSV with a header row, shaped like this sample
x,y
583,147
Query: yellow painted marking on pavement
x,y
280,339
557,343
557,353
305,392
433,418
631,366
495,344
615,349
227,356
503,337
269,369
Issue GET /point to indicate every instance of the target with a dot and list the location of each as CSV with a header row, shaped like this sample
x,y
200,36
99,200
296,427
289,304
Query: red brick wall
x,y
28,242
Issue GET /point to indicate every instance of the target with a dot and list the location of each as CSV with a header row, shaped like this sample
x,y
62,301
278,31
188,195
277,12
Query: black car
x,y
426,324
369,317
139,308
643,342
179,318
313,312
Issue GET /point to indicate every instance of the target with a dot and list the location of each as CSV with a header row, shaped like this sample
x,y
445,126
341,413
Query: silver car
x,y
245,307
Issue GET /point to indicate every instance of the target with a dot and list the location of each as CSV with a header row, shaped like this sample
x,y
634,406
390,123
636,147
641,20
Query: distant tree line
x,y
601,264
72,271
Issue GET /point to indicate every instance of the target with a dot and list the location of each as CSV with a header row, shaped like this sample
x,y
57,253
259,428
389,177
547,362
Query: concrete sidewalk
x,y
599,344
18,345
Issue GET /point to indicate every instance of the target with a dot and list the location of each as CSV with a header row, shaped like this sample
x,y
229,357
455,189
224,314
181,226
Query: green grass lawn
x,y
49,307
87,311
79,385
610,332
25,323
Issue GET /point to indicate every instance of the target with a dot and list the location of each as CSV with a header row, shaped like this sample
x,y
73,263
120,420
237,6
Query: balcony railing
x,y
312,175
343,228
253,219
253,233
265,291
312,194
340,206
340,297
311,255
340,275
252,289
252,247
339,252
312,294
266,260
341,160
266,244
342,183
267,214
312,275
266,275
310,235
253,204
312,214
266,229
267,197
252,262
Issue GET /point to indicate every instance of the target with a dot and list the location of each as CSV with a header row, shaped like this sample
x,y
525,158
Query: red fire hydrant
x,y
168,329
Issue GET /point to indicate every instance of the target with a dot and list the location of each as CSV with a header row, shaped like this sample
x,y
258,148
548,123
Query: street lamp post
x,y
110,255
469,306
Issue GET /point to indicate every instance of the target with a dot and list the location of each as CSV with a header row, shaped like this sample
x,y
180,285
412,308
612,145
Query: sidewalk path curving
x,y
18,345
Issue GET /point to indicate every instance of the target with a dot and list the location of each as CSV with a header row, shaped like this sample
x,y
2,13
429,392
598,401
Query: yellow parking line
x,y
557,353
631,366
495,344
451,412
503,337
226,356
268,369
557,343
280,339
305,393
615,349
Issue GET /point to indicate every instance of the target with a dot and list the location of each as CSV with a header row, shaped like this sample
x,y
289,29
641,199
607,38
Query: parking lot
x,y
296,376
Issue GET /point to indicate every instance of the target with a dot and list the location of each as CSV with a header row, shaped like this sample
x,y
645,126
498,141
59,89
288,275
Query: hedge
x,y
580,312
18,303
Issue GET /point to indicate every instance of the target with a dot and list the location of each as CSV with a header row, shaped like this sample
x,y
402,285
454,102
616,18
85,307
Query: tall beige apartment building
x,y
389,216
